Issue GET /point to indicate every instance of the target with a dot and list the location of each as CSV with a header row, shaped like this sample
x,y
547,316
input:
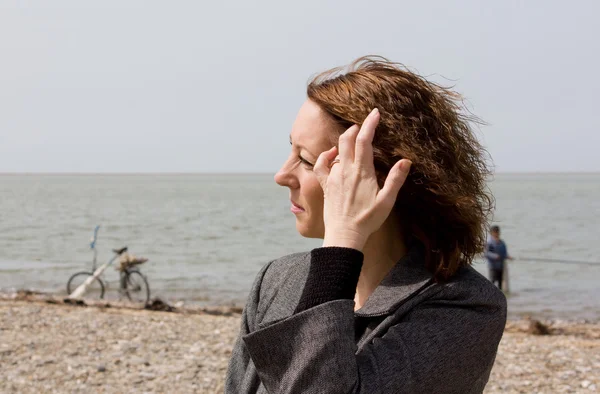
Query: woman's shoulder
x,y
468,286
291,264
279,284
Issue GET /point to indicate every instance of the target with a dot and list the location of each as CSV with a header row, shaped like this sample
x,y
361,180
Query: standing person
x,y
384,167
496,254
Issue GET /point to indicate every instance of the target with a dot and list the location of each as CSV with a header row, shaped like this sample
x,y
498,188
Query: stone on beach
x,y
66,348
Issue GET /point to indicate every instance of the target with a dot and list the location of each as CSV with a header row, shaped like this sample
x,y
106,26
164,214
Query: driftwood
x,y
536,327
159,305
80,291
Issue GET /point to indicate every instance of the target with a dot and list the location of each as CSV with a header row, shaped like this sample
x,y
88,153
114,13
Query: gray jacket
x,y
411,336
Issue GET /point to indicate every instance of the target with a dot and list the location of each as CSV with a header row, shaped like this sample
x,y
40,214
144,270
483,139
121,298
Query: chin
x,y
308,231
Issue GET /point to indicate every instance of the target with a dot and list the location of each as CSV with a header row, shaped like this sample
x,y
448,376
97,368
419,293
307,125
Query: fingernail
x,y
374,112
405,165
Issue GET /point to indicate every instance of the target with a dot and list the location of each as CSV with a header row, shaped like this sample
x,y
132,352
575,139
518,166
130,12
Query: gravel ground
x,y
57,348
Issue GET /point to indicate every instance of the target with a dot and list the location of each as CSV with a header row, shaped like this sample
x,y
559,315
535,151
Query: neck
x,y
381,252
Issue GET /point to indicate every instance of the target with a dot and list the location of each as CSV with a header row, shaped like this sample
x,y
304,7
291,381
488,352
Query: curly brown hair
x,y
445,202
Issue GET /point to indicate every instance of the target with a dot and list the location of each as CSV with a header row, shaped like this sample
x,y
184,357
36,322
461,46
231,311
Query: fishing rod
x,y
548,260
562,261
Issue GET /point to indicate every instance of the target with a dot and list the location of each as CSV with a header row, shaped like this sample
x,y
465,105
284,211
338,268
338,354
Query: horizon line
x,y
266,173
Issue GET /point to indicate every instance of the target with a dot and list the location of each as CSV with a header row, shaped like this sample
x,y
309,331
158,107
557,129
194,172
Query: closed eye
x,y
304,161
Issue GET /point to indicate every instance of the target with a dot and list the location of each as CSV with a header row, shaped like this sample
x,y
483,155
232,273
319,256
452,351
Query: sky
x,y
198,86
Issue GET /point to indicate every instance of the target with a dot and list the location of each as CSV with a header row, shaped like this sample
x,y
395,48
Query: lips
x,y
295,208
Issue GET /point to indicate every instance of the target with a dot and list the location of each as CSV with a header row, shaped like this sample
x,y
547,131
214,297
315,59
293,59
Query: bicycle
x,y
132,284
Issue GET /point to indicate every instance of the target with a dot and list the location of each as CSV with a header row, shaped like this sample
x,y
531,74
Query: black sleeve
x,y
333,275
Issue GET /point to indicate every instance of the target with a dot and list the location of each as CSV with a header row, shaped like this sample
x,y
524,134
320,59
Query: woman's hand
x,y
355,206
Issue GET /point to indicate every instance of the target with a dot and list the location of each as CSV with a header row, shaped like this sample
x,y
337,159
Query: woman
x,y
390,303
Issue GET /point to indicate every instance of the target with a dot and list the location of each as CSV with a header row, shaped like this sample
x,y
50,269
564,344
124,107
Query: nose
x,y
286,177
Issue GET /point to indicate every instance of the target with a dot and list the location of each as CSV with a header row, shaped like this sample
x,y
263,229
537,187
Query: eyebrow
x,y
302,147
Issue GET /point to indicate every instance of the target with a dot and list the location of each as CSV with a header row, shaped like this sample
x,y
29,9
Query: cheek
x,y
314,193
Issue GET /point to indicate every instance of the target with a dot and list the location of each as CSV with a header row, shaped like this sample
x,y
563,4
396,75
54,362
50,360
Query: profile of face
x,y
310,136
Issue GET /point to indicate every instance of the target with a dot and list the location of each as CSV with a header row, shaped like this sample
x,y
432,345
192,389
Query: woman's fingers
x,y
323,164
346,143
363,153
356,144
386,198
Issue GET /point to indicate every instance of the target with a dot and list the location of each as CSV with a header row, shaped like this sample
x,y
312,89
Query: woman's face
x,y
309,137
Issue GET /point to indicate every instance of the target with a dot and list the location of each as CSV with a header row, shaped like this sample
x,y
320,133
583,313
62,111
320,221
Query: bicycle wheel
x,y
136,287
95,290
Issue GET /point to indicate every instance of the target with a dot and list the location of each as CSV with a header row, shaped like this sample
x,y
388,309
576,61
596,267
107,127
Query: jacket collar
x,y
406,279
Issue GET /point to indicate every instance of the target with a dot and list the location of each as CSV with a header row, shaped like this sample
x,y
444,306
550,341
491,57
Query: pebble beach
x,y
47,346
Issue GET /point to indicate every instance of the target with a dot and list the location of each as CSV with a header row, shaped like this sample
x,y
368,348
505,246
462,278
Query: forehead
x,y
313,128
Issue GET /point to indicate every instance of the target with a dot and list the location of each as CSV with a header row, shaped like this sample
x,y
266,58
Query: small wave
x,y
211,237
